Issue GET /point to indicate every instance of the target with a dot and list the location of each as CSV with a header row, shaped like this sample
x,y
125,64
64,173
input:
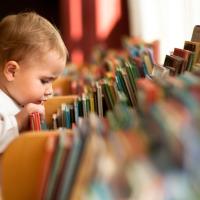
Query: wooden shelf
x,y
52,104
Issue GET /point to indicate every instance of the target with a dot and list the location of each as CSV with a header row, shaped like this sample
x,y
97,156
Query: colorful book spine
x,y
35,121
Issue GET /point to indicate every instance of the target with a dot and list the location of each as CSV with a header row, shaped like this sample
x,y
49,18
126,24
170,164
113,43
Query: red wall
x,y
89,38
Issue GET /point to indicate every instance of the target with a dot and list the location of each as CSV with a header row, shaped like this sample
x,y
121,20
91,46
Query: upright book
x,y
196,34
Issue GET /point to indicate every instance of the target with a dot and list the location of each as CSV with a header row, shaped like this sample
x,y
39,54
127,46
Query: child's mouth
x,y
40,102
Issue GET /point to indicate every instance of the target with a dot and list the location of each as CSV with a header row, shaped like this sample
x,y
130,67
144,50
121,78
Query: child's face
x,y
33,80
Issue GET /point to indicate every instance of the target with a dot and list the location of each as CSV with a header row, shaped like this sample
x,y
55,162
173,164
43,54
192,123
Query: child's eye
x,y
44,81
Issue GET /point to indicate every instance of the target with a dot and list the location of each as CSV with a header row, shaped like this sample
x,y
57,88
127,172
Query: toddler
x,y
32,55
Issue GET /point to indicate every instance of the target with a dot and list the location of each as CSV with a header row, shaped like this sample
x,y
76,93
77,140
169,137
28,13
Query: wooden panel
x,y
21,165
61,86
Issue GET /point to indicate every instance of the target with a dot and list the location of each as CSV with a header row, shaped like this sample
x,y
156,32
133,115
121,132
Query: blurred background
x,y
85,24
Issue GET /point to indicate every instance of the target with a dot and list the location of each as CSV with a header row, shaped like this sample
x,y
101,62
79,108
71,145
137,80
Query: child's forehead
x,y
43,56
50,60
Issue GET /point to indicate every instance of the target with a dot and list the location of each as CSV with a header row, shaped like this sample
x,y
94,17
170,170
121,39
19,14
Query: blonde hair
x,y
27,33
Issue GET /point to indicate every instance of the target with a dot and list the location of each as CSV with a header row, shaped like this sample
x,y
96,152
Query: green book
x,y
106,96
122,84
109,94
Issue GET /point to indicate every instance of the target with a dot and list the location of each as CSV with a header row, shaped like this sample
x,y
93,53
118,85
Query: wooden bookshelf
x,y
61,86
52,104
21,164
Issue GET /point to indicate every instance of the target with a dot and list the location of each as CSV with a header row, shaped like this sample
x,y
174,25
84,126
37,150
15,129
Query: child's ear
x,y
10,68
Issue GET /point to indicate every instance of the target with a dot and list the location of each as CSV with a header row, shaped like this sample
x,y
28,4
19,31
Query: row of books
x,y
149,152
104,62
76,166
36,123
164,131
96,100
152,153
168,103
186,59
168,118
137,61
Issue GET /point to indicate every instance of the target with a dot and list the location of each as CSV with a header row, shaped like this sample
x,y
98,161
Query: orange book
x,y
49,149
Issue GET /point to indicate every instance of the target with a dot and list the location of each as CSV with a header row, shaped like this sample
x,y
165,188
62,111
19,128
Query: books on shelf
x,y
35,121
194,47
117,148
175,64
142,118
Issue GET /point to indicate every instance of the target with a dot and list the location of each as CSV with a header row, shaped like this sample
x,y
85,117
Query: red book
x,y
183,53
35,121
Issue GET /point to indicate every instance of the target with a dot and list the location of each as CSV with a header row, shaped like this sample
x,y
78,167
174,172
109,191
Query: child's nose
x,y
49,90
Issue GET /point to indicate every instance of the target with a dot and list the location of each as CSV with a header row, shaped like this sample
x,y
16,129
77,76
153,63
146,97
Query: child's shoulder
x,y
8,106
